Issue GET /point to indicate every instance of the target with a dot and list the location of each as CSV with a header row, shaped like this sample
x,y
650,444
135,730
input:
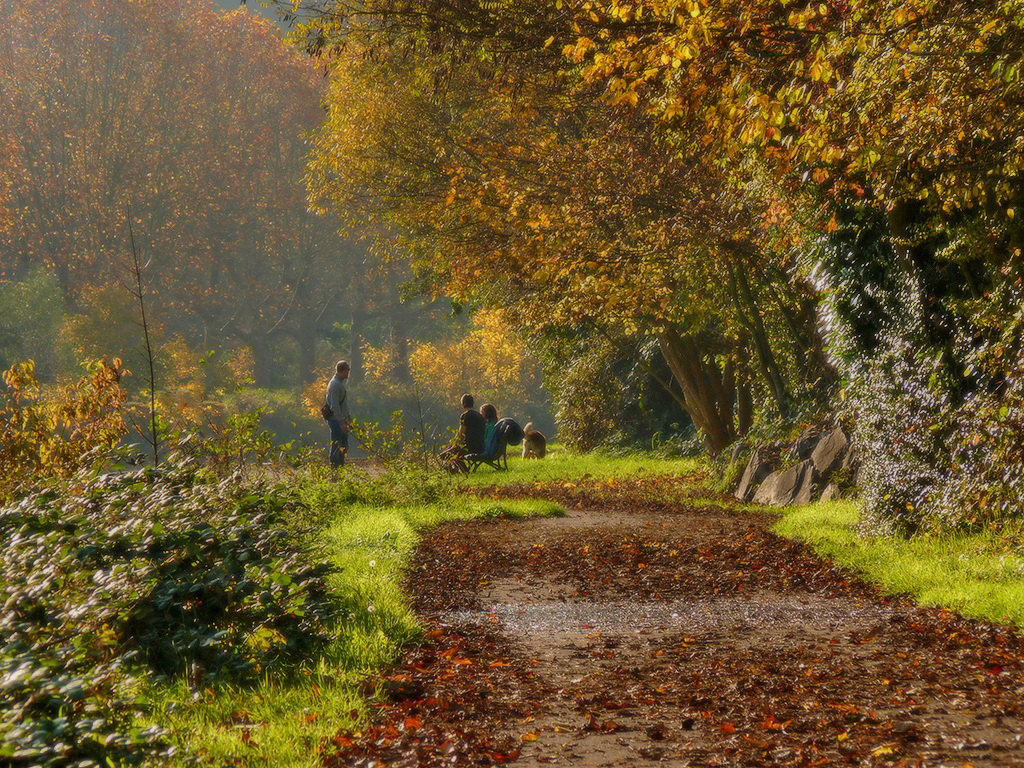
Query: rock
x,y
738,449
852,465
831,493
758,468
851,460
788,486
804,446
830,452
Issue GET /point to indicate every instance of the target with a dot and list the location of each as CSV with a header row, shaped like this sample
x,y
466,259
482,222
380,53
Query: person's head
x,y
342,369
467,401
489,412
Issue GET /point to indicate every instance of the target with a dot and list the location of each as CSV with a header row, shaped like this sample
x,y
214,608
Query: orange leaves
x,y
490,355
193,116
600,726
577,52
770,723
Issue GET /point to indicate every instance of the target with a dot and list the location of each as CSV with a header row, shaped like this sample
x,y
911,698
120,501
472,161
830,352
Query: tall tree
x,y
521,190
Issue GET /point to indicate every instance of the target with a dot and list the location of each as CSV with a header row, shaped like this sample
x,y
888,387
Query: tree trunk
x,y
749,316
708,399
744,406
811,358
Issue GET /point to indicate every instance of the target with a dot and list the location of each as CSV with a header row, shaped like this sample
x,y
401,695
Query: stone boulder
x,y
830,452
831,493
804,446
851,461
794,485
758,468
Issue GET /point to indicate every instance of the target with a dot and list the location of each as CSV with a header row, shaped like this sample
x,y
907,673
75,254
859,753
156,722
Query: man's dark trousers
x,y
339,444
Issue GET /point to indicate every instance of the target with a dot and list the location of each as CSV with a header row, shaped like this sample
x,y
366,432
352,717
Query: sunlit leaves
x,y
45,435
490,361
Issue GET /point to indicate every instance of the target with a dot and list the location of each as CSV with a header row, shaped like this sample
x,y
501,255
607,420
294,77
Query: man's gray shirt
x,y
337,400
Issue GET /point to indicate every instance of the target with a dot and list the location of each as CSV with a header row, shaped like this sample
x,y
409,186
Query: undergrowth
x,y
165,575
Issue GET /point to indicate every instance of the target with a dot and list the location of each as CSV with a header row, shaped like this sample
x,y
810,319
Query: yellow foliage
x,y
313,397
184,400
55,434
240,364
490,362
382,368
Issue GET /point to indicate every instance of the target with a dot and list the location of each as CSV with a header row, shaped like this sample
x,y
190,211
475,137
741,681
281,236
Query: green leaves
x,y
164,573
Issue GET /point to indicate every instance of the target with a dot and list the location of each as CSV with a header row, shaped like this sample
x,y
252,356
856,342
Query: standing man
x,y
339,420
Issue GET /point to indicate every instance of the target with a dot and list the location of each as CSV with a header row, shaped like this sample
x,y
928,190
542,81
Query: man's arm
x,y
344,416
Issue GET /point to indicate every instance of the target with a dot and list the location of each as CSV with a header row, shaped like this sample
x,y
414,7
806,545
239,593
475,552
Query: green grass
x,y
281,723
979,575
561,464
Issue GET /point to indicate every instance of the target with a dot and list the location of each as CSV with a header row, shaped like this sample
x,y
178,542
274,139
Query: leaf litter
x,y
645,630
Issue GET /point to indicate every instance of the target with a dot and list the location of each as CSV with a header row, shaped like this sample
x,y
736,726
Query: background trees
x,y
199,121
144,105
518,183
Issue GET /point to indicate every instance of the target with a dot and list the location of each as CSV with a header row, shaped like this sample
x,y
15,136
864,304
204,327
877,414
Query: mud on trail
x,y
631,633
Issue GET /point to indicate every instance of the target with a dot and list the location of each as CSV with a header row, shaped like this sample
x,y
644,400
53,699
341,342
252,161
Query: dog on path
x,y
535,445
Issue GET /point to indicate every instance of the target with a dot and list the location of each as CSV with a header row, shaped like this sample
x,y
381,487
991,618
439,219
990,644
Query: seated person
x,y
470,438
490,414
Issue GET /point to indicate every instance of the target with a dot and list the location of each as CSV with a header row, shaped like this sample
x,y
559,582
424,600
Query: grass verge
x,y
562,465
979,575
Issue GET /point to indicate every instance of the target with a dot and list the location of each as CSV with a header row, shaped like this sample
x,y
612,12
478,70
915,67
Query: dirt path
x,y
681,637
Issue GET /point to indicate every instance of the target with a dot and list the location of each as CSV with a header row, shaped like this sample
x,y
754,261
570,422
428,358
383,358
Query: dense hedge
x,y
165,573
931,351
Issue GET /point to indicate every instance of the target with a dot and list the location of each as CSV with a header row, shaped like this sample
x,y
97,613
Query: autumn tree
x,y
197,119
520,190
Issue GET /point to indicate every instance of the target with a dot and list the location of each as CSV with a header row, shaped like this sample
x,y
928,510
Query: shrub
x,y
903,420
57,434
159,572
985,483
607,394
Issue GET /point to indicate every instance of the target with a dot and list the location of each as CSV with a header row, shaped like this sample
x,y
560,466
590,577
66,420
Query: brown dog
x,y
535,445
